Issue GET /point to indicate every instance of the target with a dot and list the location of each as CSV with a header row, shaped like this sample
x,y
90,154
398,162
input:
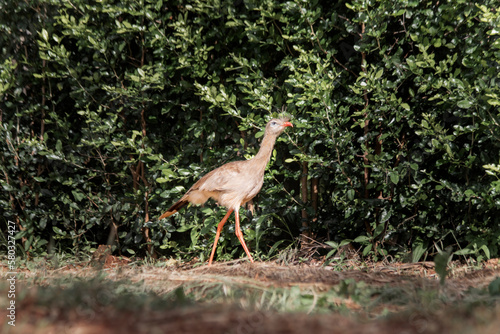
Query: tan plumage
x,y
234,183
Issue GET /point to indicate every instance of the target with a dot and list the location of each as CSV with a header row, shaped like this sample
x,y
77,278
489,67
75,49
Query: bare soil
x,y
452,315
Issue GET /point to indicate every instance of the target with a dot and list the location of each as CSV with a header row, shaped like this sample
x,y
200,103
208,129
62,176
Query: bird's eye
x,y
273,123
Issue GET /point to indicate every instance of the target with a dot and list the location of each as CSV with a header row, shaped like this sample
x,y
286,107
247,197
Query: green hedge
x,y
111,109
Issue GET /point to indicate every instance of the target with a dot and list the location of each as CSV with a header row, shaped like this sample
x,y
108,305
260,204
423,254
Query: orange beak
x,y
287,124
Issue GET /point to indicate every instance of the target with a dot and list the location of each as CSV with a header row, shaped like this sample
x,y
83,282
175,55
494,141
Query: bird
x,y
234,183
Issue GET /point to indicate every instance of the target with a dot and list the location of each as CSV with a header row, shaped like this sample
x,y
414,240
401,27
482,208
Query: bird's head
x,y
277,125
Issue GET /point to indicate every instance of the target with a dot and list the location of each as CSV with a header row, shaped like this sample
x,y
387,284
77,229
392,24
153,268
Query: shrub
x,y
111,110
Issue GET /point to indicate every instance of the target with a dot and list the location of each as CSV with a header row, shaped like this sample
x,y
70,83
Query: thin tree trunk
x,y
314,197
366,162
145,230
303,187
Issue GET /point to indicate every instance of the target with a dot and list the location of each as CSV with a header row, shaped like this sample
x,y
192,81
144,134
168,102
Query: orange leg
x,y
239,234
217,235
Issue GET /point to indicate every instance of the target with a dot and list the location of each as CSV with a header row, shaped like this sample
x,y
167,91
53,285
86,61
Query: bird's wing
x,y
223,179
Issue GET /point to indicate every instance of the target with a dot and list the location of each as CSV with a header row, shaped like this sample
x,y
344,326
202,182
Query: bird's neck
x,y
264,154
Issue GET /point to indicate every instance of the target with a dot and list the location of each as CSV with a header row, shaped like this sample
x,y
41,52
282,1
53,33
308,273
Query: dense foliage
x,y
109,110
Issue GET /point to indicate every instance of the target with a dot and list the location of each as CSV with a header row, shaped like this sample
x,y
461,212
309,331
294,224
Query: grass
x,y
54,293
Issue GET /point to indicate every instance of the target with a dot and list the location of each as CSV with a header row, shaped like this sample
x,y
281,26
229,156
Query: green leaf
x,y
207,211
417,252
465,104
494,287
350,194
362,239
486,251
92,40
470,193
394,177
184,228
275,246
367,249
441,261
58,230
162,180
78,195
332,244
45,35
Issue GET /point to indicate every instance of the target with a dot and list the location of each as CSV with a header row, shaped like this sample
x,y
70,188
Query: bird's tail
x,y
174,208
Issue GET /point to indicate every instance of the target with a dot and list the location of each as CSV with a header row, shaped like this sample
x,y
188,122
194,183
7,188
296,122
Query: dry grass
x,y
238,297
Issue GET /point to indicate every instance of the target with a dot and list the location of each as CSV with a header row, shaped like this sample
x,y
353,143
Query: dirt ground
x,y
451,316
